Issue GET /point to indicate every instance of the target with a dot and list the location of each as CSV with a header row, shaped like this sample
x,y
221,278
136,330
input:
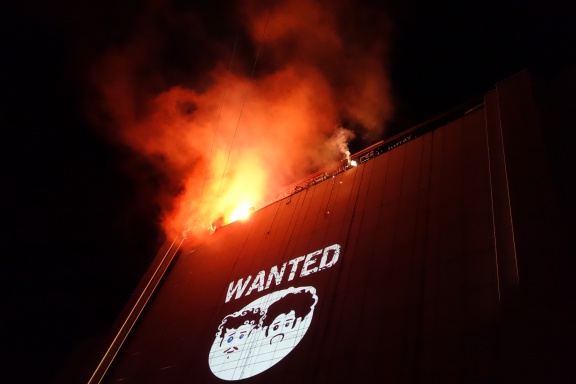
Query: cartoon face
x,y
234,339
280,325
258,336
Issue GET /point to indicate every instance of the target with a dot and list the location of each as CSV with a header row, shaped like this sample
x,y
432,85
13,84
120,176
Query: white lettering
x,y
238,288
276,275
330,256
257,283
294,263
323,263
310,259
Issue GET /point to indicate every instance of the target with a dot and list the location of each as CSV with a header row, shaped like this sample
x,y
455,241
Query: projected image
x,y
262,333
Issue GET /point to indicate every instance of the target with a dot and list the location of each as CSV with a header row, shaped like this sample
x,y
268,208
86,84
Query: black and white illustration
x,y
258,336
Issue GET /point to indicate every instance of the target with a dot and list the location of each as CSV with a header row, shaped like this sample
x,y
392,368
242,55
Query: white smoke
x,y
339,141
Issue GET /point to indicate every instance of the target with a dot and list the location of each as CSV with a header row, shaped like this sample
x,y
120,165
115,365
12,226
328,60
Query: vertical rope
x,y
218,121
243,103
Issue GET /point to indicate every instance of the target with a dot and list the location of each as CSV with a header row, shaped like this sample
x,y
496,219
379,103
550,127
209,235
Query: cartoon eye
x,y
276,327
230,339
241,336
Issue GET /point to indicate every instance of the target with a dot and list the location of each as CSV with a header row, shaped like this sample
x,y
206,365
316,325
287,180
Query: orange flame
x,y
242,138
241,213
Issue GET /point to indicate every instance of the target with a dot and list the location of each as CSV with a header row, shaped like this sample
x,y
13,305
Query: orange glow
x,y
241,213
239,138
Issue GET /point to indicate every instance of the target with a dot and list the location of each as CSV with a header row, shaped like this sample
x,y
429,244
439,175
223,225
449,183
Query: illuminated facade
x,y
439,258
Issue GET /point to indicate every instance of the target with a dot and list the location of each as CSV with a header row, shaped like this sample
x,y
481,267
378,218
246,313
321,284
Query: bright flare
x,y
242,212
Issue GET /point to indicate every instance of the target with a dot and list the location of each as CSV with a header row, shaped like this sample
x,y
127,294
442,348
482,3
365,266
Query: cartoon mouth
x,y
231,349
275,336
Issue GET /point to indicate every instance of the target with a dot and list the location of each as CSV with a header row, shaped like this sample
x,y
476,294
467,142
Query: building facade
x,y
442,257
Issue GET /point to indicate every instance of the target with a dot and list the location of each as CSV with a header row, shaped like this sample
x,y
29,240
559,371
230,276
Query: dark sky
x,y
80,225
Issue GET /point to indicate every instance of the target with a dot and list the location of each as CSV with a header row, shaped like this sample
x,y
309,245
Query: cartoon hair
x,y
251,316
301,302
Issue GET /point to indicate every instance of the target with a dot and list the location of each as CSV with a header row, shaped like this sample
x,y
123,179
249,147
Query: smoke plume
x,y
269,87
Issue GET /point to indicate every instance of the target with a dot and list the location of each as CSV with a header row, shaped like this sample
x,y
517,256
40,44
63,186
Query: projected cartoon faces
x,y
261,334
276,329
234,337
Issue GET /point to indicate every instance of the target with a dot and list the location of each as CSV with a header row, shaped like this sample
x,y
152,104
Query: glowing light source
x,y
242,212
353,163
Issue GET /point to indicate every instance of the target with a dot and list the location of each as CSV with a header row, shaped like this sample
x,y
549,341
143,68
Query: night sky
x,y
80,219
